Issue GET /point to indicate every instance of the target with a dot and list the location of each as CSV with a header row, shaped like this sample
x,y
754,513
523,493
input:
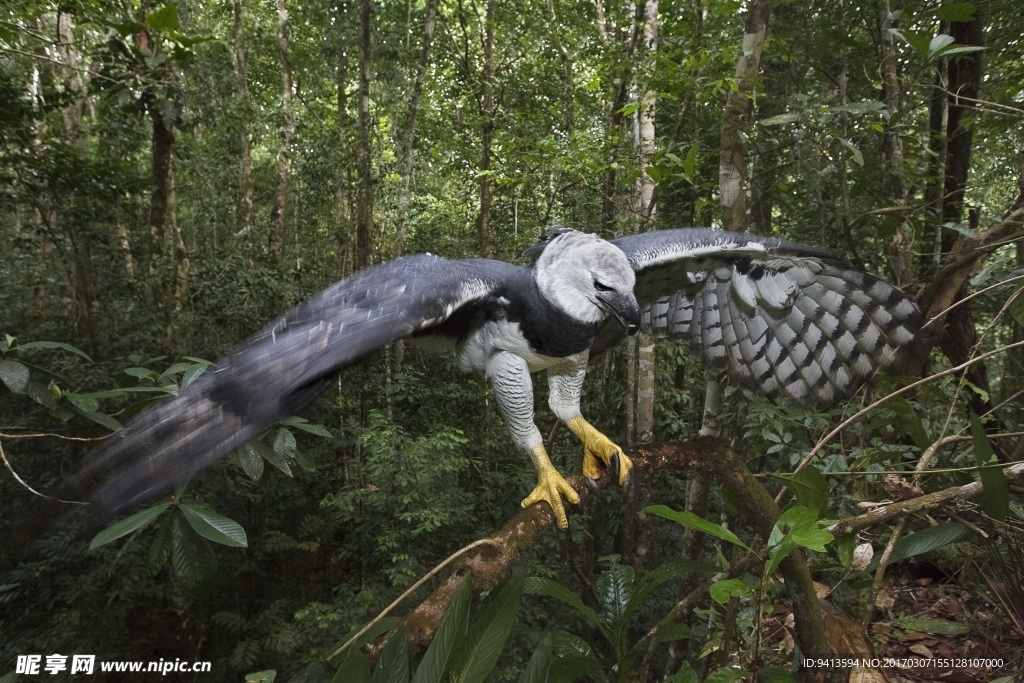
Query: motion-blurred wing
x,y
783,317
282,367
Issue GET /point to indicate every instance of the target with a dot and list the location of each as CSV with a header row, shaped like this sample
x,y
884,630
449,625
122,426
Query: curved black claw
x,y
592,485
614,467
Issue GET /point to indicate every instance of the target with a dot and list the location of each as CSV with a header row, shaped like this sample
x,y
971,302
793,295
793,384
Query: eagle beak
x,y
624,308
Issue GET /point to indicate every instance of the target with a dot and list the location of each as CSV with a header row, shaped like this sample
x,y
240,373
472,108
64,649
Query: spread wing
x,y
783,317
284,366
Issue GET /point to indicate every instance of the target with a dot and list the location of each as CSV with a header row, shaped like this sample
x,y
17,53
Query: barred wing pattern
x,y
784,318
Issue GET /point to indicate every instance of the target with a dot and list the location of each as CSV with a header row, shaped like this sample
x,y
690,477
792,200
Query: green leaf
x,y
165,18
192,562
305,425
393,665
541,586
267,676
809,486
160,547
355,668
943,627
779,120
488,633
726,589
938,42
685,674
54,345
727,674
539,666
688,519
14,375
251,459
452,630
995,498
927,540
614,590
214,527
127,525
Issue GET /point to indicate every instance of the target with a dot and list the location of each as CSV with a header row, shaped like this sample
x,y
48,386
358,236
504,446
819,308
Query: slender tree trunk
x,y
343,164
900,257
160,164
275,236
483,221
568,75
732,159
245,219
364,198
644,210
410,131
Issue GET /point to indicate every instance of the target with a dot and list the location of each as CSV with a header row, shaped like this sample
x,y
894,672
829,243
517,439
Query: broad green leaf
x,y
726,589
541,586
809,487
393,665
305,425
251,459
192,561
727,674
685,674
14,375
779,120
812,538
453,628
927,540
127,525
214,527
268,676
688,519
54,345
614,589
938,42
488,634
539,666
165,18
355,668
943,627
160,547
995,498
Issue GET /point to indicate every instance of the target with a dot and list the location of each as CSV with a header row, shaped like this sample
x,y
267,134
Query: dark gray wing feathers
x,y
280,369
787,319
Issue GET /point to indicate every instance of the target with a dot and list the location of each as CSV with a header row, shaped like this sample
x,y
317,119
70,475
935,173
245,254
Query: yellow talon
x,y
598,450
551,486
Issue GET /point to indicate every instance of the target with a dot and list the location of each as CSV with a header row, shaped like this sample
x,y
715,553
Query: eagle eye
x,y
602,287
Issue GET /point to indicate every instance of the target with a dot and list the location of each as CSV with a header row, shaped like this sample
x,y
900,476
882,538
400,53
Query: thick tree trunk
x,y
275,236
364,164
963,83
245,218
410,131
732,178
483,220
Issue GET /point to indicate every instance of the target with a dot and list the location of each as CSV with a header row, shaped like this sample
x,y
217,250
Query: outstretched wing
x,y
282,367
783,317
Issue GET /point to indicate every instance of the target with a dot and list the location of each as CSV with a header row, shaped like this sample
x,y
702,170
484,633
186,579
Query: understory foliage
x,y
161,198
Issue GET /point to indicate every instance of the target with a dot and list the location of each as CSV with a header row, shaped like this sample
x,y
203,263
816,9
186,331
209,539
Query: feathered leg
x,y
513,389
565,382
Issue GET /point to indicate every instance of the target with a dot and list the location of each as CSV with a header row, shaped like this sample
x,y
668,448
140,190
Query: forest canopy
x,y
175,174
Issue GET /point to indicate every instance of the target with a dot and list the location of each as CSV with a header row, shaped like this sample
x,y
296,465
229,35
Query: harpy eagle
x,y
786,318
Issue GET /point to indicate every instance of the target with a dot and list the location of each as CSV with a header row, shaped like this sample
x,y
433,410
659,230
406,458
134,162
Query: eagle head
x,y
587,278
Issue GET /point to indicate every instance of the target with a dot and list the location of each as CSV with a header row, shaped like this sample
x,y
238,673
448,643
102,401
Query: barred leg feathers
x,y
806,329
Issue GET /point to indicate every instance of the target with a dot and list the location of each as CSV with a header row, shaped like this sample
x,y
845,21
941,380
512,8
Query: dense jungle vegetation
x,y
175,174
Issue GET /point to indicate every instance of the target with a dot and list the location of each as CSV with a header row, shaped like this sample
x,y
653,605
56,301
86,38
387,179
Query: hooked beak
x,y
624,309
